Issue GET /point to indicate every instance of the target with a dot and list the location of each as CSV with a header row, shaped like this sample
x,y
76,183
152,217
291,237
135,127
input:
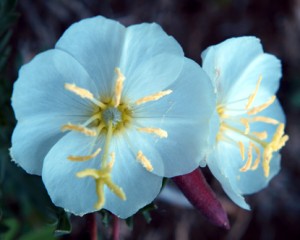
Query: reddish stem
x,y
116,228
198,192
92,226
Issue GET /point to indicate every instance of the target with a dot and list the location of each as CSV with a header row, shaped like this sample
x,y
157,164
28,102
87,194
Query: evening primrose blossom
x,y
247,129
108,113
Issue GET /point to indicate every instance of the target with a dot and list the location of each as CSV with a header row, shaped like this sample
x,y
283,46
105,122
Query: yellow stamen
x,y
78,128
262,107
83,93
159,132
278,141
245,122
257,160
261,135
265,120
253,95
112,161
84,158
118,87
242,150
144,161
249,160
153,97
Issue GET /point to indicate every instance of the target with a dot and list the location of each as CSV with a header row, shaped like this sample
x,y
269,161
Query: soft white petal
x,y
40,89
154,75
185,115
214,162
139,185
226,62
97,44
148,58
269,68
76,195
32,139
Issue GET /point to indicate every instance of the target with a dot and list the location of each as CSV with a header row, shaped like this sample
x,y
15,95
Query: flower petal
x,y
187,140
215,164
265,66
236,65
226,62
76,195
40,89
139,185
31,141
97,44
150,58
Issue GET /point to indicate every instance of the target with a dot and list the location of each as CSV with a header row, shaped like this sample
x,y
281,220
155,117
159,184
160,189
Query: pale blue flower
x,y
108,113
247,129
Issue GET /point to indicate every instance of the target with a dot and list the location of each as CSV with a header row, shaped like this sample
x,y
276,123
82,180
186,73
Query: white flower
x,y
247,129
108,113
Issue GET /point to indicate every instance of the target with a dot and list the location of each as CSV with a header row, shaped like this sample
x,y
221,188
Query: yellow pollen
x,y
257,160
262,107
78,128
253,95
84,158
159,132
264,119
249,160
153,97
242,150
118,87
144,161
261,135
245,122
83,93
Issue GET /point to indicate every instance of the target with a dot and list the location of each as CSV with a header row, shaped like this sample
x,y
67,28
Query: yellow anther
x,y
253,95
119,86
112,161
268,153
102,177
282,141
144,161
245,122
83,93
84,158
265,120
153,97
257,160
159,132
262,107
249,160
78,128
242,150
261,135
278,141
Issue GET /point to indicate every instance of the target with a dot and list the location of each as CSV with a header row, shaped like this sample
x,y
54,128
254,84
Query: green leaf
x,y
13,228
45,233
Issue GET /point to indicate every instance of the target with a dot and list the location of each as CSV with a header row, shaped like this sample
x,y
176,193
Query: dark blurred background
x,y
32,26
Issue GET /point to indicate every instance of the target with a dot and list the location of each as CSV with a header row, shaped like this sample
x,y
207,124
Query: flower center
x,y
257,140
